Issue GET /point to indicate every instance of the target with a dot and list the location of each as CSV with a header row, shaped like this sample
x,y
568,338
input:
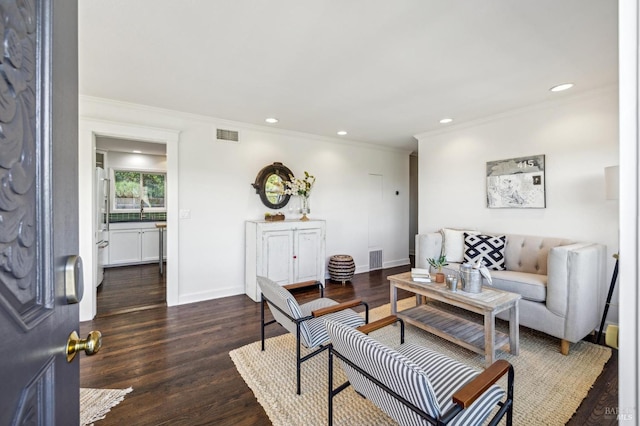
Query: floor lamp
x,y
614,277
612,193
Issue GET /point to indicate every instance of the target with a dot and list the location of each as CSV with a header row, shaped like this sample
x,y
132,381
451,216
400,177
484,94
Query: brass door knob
x,y
91,345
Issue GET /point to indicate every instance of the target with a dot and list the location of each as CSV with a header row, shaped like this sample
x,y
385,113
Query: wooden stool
x,y
341,268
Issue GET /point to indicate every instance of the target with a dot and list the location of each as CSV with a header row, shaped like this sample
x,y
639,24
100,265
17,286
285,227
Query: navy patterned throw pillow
x,y
489,248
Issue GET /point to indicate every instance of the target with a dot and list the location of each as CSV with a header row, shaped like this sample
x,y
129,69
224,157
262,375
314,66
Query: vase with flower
x,y
301,188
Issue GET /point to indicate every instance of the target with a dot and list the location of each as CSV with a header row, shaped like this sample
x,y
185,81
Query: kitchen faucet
x,y
141,210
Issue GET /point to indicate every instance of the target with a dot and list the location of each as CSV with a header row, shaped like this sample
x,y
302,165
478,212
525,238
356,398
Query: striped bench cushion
x,y
425,378
390,367
314,331
447,376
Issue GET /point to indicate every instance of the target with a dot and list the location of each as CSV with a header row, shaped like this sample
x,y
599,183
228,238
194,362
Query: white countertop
x,y
115,226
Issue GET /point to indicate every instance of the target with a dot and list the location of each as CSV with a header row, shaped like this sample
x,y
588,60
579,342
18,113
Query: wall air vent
x,y
375,259
227,135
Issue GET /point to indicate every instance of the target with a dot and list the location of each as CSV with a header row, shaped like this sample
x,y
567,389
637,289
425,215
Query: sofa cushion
x,y
530,286
527,253
453,243
488,248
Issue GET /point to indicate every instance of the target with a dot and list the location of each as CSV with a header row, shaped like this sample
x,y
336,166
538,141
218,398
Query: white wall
x,y
579,138
215,187
132,161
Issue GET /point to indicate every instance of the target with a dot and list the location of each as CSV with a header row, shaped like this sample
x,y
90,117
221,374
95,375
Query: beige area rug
x,y
549,386
96,403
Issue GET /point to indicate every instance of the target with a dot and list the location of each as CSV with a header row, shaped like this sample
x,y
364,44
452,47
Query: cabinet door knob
x,y
295,257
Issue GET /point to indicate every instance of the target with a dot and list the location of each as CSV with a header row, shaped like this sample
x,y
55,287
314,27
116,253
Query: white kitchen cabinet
x,y
133,242
124,246
149,240
286,252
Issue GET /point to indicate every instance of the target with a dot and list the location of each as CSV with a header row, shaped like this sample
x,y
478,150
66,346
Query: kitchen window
x,y
135,188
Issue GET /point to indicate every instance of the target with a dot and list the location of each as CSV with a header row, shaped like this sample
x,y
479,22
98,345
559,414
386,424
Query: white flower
x,y
301,187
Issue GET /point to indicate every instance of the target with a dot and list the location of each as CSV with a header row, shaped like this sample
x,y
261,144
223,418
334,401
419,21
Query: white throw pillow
x,y
453,243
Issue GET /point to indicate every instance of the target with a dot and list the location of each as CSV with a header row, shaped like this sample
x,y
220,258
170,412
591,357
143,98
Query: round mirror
x,y
270,185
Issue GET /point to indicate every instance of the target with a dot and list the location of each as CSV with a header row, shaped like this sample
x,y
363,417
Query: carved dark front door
x,y
38,211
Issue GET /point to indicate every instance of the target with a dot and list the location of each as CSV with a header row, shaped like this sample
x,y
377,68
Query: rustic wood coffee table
x,y
482,339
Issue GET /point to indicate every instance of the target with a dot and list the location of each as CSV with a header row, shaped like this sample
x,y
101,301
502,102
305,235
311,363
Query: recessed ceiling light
x,y
342,132
135,151
271,120
561,87
446,120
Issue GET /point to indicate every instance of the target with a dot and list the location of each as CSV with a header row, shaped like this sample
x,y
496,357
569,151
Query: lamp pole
x,y
614,277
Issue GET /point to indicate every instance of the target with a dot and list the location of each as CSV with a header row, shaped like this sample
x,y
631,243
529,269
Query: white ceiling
x,y
383,70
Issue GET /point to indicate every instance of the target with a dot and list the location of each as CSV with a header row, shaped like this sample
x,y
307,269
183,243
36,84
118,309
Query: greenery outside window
x,y
135,188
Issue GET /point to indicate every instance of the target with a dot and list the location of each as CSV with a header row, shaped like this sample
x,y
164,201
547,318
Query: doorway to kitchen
x,y
89,130
131,218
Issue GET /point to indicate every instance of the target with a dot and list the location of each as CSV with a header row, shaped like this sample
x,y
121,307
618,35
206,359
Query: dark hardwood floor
x,y
129,288
176,358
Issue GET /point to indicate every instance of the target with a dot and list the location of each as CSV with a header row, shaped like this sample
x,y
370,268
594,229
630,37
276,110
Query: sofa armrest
x,y
428,246
575,274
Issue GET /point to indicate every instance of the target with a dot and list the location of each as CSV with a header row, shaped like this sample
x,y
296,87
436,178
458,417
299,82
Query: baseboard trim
x,y
394,263
184,299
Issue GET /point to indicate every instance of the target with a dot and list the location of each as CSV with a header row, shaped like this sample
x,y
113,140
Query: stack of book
x,y
420,275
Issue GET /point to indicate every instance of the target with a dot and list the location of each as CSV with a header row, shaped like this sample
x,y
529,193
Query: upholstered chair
x,y
415,385
305,321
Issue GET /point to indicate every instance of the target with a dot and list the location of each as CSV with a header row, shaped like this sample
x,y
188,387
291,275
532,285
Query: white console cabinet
x,y
286,252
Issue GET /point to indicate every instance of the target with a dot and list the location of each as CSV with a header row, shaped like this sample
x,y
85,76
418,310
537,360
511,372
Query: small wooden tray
x,y
274,218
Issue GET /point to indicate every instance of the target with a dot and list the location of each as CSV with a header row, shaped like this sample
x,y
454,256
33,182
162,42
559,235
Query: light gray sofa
x,y
559,280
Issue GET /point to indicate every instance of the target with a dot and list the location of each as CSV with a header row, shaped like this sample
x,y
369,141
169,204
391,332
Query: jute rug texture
x,y
549,386
96,403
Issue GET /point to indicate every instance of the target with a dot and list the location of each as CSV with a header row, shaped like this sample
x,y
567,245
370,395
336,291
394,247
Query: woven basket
x,y
341,268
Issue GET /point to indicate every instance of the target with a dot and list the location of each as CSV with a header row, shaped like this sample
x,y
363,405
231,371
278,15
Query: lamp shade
x,y
611,181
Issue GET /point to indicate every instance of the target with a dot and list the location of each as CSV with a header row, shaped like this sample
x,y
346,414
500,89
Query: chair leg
x,y
330,393
298,362
262,302
510,390
564,347
510,385
507,406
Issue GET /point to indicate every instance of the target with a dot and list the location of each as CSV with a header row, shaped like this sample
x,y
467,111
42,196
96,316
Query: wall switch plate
x,y
185,214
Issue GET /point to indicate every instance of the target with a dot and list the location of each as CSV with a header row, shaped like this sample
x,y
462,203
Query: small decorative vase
x,y
452,282
304,208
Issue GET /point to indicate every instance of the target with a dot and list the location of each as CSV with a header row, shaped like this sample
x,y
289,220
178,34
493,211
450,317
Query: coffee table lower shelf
x,y
460,331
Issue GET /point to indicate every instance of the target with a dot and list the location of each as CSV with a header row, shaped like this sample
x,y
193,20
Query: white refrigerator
x,y
102,221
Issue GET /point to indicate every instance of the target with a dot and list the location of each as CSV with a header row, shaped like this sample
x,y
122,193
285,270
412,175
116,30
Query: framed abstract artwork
x,y
516,183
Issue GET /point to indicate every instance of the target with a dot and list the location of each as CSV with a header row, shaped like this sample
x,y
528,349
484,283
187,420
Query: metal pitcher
x,y
470,278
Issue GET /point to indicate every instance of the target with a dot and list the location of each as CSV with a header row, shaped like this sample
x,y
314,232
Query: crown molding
x,y
569,99
221,122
